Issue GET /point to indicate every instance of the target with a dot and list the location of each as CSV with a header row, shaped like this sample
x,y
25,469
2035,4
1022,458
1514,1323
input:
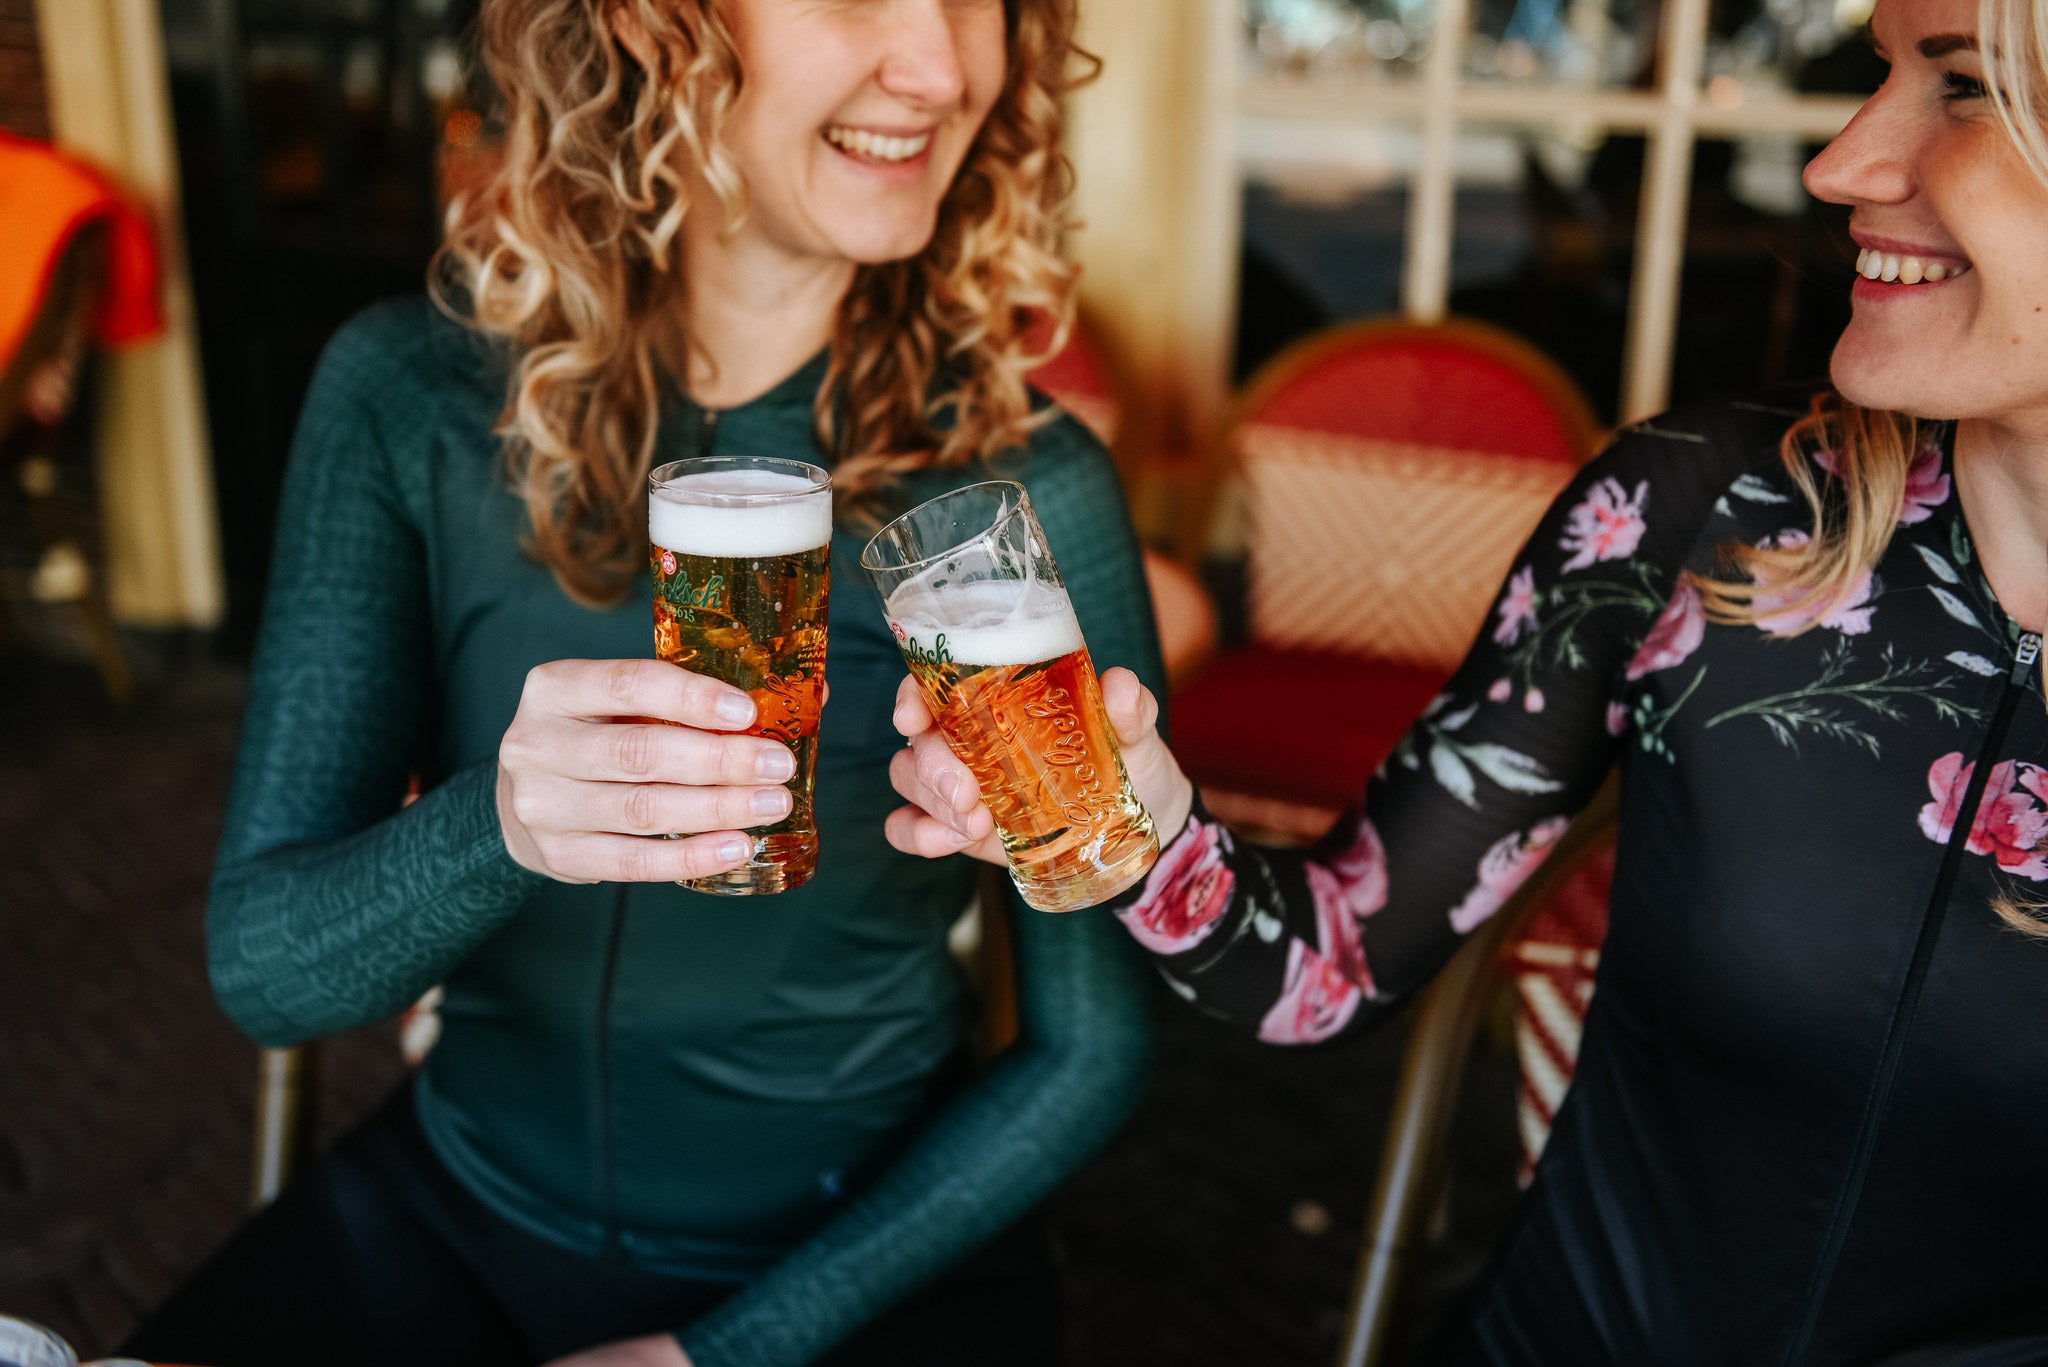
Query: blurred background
x,y
1610,187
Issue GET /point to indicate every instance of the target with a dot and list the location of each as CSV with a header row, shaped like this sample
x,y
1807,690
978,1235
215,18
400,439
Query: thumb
x,y
1132,709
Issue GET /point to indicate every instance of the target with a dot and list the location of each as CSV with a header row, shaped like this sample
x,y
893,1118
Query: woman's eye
x,y
1957,86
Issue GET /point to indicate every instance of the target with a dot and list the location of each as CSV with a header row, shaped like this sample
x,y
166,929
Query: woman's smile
x,y
880,147
1890,268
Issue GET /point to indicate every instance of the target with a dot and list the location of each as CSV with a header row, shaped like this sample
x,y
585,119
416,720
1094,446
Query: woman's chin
x,y
1875,376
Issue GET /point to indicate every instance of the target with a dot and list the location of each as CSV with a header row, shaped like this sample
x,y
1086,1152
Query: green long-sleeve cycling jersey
x,y
750,1089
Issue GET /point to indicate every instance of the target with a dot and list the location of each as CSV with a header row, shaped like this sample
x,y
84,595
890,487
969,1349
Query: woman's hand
x,y
586,772
656,1350
947,815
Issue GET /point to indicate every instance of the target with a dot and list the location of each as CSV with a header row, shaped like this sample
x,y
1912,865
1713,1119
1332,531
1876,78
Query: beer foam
x,y
738,530
994,622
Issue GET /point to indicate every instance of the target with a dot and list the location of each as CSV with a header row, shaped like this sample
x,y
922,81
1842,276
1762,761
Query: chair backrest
x,y
1552,962
1388,472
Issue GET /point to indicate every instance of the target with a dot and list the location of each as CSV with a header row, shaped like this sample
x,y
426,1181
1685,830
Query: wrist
x,y
1170,816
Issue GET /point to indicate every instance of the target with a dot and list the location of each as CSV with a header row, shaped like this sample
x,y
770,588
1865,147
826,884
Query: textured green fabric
x,y
758,1089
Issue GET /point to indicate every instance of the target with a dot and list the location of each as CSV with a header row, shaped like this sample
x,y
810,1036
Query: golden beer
x,y
991,638
742,562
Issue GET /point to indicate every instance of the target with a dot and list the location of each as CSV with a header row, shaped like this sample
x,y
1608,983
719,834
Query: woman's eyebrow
x,y
1942,44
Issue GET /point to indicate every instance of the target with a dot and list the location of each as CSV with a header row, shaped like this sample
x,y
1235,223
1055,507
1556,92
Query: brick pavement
x,y
125,1095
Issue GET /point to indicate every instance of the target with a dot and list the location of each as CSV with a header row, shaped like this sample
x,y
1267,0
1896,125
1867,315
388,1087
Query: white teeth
x,y
1906,270
876,146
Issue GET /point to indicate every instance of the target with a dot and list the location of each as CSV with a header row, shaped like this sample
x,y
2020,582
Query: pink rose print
x,y
1926,487
1927,484
1189,889
1617,719
1503,868
1517,607
1532,701
1851,616
668,562
2011,825
1676,635
1606,526
1337,939
1500,690
1314,1004
1362,871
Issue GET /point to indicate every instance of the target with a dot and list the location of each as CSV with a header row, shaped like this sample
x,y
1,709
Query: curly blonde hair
x,y
569,255
1872,450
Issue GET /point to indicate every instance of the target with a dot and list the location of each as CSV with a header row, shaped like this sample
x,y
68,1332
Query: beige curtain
x,y
104,62
1157,193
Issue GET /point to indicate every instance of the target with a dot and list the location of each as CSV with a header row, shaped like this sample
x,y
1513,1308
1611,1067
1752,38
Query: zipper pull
x,y
2023,658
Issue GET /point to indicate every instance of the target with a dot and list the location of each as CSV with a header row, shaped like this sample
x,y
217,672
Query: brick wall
x,y
24,105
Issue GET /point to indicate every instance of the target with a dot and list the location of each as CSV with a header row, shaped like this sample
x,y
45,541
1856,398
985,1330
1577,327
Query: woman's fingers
x,y
943,775
635,752
598,689
572,806
1132,709
635,859
956,804
912,717
912,831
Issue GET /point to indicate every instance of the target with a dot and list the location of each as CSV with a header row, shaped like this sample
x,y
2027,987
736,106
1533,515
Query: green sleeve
x,y
330,907
1049,1101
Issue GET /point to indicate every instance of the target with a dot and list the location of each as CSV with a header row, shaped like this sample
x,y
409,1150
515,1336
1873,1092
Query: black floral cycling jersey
x,y
1813,1087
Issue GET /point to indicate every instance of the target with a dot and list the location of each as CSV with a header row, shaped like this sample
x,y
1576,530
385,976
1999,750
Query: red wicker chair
x,y
1383,475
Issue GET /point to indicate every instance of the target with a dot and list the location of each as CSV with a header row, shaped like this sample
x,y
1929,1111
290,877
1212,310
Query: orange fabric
x,y
46,197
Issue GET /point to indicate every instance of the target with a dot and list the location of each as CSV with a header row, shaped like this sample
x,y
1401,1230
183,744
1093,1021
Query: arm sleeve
x,y
330,907
1049,1101
1303,945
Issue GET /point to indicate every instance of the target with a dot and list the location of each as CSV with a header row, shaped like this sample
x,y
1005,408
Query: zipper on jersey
x,y
707,431
2024,656
607,1138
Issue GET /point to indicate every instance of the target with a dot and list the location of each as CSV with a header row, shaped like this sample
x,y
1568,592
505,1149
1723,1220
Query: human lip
x,y
879,146
1891,261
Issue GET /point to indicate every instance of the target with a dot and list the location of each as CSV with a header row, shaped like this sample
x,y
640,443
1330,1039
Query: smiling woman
x,y
1945,170
898,160
1805,1121
661,1126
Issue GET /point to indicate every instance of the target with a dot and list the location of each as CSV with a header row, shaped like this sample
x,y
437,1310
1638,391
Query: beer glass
x,y
742,561
978,608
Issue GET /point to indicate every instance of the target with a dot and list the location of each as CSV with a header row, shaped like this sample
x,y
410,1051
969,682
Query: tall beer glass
x,y
742,560
977,605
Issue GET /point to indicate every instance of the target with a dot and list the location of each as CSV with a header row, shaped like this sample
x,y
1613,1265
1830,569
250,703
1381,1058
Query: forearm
x,y
310,939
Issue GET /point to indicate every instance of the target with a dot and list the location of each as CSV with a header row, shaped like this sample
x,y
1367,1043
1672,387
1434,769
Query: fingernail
x,y
770,802
948,783
736,707
776,764
732,851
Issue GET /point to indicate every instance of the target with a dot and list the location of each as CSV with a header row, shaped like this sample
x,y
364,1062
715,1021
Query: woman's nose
x,y
1869,161
922,66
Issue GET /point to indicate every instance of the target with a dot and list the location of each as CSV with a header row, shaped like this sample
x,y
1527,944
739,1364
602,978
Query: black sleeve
x,y
1301,944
